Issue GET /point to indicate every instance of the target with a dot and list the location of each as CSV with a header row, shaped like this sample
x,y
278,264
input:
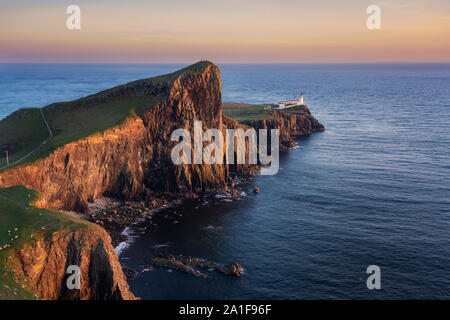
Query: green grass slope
x,y
70,124
244,112
20,223
20,133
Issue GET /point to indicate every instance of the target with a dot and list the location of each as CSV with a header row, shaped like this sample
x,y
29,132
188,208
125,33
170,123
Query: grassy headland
x,y
24,130
23,133
243,112
20,133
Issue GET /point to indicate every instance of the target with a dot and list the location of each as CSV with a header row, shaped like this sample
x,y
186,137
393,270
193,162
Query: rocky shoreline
x,y
115,216
123,176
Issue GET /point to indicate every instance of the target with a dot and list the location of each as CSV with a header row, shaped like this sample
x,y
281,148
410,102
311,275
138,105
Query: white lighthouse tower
x,y
301,98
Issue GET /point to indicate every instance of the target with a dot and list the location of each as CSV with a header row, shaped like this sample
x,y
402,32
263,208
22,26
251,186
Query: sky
x,y
224,31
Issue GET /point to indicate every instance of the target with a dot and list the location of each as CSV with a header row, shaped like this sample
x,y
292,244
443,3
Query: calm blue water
x,y
372,189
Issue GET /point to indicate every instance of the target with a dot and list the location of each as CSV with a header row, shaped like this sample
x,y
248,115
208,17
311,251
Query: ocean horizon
x,y
23,74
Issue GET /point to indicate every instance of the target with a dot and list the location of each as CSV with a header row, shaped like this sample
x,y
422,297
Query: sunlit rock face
x,y
127,160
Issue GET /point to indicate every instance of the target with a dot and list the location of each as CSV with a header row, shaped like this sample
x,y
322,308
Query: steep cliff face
x,y
44,262
193,97
85,169
127,159
296,122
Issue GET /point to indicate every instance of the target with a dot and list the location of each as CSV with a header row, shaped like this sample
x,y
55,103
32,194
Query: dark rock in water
x,y
256,190
235,192
173,263
129,273
116,217
186,264
291,144
232,270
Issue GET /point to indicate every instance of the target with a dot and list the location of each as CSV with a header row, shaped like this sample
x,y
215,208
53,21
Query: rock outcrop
x,y
125,160
296,123
45,261
136,155
187,264
129,161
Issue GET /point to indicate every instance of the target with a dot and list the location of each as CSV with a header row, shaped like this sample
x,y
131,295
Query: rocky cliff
x,y
128,159
291,123
44,262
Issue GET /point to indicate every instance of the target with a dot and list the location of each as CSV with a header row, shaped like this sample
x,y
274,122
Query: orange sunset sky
x,y
225,31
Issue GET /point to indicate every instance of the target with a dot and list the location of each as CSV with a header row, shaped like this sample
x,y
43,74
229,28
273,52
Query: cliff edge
x,y
38,245
116,142
134,155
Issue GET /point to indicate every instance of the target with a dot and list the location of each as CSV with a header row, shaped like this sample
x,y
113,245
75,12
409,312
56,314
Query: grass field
x,y
20,222
20,133
298,110
24,130
242,112
67,124
70,124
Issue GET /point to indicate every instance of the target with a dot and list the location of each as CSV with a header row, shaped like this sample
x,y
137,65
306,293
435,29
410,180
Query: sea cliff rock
x,y
129,162
127,159
112,160
296,122
44,263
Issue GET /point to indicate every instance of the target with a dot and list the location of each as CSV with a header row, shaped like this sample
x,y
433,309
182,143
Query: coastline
x,y
243,186
351,196
147,220
167,213
118,218
130,162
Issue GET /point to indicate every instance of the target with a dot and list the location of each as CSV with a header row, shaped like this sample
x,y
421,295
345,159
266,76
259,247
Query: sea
x,y
372,189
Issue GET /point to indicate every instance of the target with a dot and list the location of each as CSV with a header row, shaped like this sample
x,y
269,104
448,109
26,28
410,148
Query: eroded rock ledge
x,y
188,264
296,123
126,160
44,262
